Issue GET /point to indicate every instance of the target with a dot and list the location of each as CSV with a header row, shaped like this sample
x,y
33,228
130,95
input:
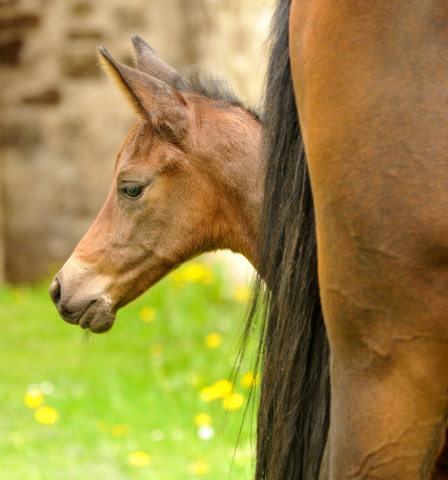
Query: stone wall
x,y
62,122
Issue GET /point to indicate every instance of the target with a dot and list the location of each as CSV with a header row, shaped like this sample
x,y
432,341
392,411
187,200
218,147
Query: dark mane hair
x,y
209,85
293,416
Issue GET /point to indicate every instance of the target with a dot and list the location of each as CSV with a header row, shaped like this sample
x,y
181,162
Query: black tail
x,y
293,417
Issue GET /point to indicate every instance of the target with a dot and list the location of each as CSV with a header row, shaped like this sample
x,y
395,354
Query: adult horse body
x,y
369,81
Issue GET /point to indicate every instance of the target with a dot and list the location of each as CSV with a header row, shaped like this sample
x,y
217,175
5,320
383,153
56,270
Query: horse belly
x,y
370,83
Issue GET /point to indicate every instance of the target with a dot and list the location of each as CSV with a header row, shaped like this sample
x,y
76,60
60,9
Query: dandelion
x,y
116,430
233,401
200,468
139,458
241,293
46,415
250,379
33,399
202,419
213,340
220,389
223,388
119,430
207,394
156,350
147,314
194,272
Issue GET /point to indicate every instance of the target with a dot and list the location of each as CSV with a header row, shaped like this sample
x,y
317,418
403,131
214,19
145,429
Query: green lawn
x,y
134,389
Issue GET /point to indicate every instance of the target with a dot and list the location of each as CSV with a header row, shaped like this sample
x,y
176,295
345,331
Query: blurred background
x,y
155,397
62,122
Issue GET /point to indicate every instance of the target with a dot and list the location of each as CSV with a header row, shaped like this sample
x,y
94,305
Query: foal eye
x,y
132,191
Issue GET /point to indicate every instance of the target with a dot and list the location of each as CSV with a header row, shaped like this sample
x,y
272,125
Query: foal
x,y
185,182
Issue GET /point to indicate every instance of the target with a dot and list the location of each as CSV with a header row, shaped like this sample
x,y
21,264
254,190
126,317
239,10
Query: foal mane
x,y
209,85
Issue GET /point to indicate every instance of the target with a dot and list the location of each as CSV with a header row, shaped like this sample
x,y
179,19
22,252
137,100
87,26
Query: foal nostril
x,y
55,292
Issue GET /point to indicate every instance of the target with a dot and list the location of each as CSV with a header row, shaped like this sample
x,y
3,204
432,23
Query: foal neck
x,y
233,171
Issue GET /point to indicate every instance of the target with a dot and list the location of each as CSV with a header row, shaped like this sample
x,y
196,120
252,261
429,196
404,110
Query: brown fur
x,y
148,62
197,160
370,80
150,97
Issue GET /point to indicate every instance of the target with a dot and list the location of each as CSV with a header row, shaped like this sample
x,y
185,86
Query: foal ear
x,y
161,104
149,62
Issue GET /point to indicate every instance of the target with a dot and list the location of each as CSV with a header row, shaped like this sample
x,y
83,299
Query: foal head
x,y
185,182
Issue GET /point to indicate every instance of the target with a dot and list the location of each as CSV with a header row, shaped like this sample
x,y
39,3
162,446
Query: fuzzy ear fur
x,y
148,62
161,104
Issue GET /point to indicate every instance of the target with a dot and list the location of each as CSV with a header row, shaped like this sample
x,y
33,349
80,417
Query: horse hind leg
x,y
440,471
389,383
385,316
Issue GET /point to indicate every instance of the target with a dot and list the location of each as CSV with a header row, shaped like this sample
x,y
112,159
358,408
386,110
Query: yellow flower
x,y
202,419
233,401
241,293
156,350
223,388
119,430
33,399
213,340
200,468
147,314
207,394
139,458
194,272
250,379
46,415
219,389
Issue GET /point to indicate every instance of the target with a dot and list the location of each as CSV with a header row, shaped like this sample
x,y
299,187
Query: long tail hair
x,y
293,415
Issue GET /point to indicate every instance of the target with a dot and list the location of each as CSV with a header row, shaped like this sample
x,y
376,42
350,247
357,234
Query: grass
x,y
134,389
